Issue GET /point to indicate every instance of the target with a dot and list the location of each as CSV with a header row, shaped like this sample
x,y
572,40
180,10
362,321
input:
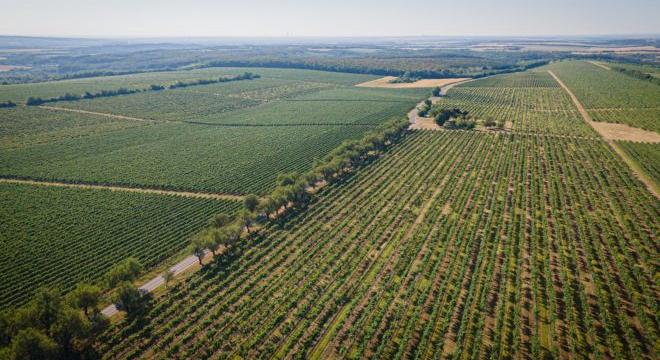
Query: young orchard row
x,y
455,243
62,236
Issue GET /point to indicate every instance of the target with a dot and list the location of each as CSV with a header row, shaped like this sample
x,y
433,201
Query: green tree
x,y
127,270
168,276
436,91
198,246
220,220
85,296
251,202
131,299
31,343
245,219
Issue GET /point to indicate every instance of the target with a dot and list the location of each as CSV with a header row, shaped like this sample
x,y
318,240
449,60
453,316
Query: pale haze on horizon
x,y
151,18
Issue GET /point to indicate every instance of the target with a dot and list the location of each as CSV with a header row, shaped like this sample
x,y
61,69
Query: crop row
x,y
457,243
611,96
533,79
646,155
180,156
59,236
538,110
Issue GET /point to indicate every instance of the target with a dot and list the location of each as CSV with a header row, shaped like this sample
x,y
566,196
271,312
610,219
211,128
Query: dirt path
x,y
189,194
641,175
417,123
114,116
600,65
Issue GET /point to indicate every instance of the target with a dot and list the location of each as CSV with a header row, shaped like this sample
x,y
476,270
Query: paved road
x,y
154,283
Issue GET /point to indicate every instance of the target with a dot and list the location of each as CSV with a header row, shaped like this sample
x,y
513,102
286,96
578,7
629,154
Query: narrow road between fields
x,y
636,170
200,195
154,283
417,123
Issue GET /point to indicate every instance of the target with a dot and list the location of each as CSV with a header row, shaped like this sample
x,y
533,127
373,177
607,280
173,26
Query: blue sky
x,y
153,18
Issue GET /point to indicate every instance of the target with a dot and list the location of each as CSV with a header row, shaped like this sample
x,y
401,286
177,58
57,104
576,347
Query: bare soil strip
x,y
200,195
384,82
114,116
600,65
608,136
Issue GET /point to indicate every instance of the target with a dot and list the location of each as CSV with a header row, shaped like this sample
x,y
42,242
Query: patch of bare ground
x,y
384,82
600,65
189,194
611,132
13,67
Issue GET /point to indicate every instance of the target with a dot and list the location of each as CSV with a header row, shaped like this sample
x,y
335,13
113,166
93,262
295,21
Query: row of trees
x,y
244,76
36,101
294,190
53,326
406,77
637,74
7,104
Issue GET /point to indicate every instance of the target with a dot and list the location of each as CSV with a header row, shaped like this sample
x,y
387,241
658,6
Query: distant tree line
x,y
637,74
244,76
7,104
406,77
36,101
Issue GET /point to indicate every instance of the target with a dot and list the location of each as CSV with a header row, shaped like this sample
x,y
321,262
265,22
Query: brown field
x,y
13,67
424,83
611,131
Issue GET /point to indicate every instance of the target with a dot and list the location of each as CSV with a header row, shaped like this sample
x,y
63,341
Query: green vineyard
x,y
529,102
646,155
610,96
59,237
454,244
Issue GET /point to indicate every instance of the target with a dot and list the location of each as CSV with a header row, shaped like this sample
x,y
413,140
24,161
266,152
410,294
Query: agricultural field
x,y
20,92
610,96
458,244
61,236
233,137
531,102
646,155
176,156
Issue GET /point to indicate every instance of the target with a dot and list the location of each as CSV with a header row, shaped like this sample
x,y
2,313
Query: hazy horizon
x,y
304,19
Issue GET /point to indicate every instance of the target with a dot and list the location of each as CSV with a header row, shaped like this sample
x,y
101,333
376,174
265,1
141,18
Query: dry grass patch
x,y
384,82
612,131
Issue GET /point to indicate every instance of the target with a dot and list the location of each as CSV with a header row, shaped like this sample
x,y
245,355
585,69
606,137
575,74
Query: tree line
x,y
53,326
36,101
637,74
294,191
7,104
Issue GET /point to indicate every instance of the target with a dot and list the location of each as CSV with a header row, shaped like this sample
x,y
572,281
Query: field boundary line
x,y
634,168
189,194
600,65
114,116
194,122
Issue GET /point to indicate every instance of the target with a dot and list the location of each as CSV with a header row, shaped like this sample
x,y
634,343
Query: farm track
x,y
639,173
193,122
600,65
199,195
